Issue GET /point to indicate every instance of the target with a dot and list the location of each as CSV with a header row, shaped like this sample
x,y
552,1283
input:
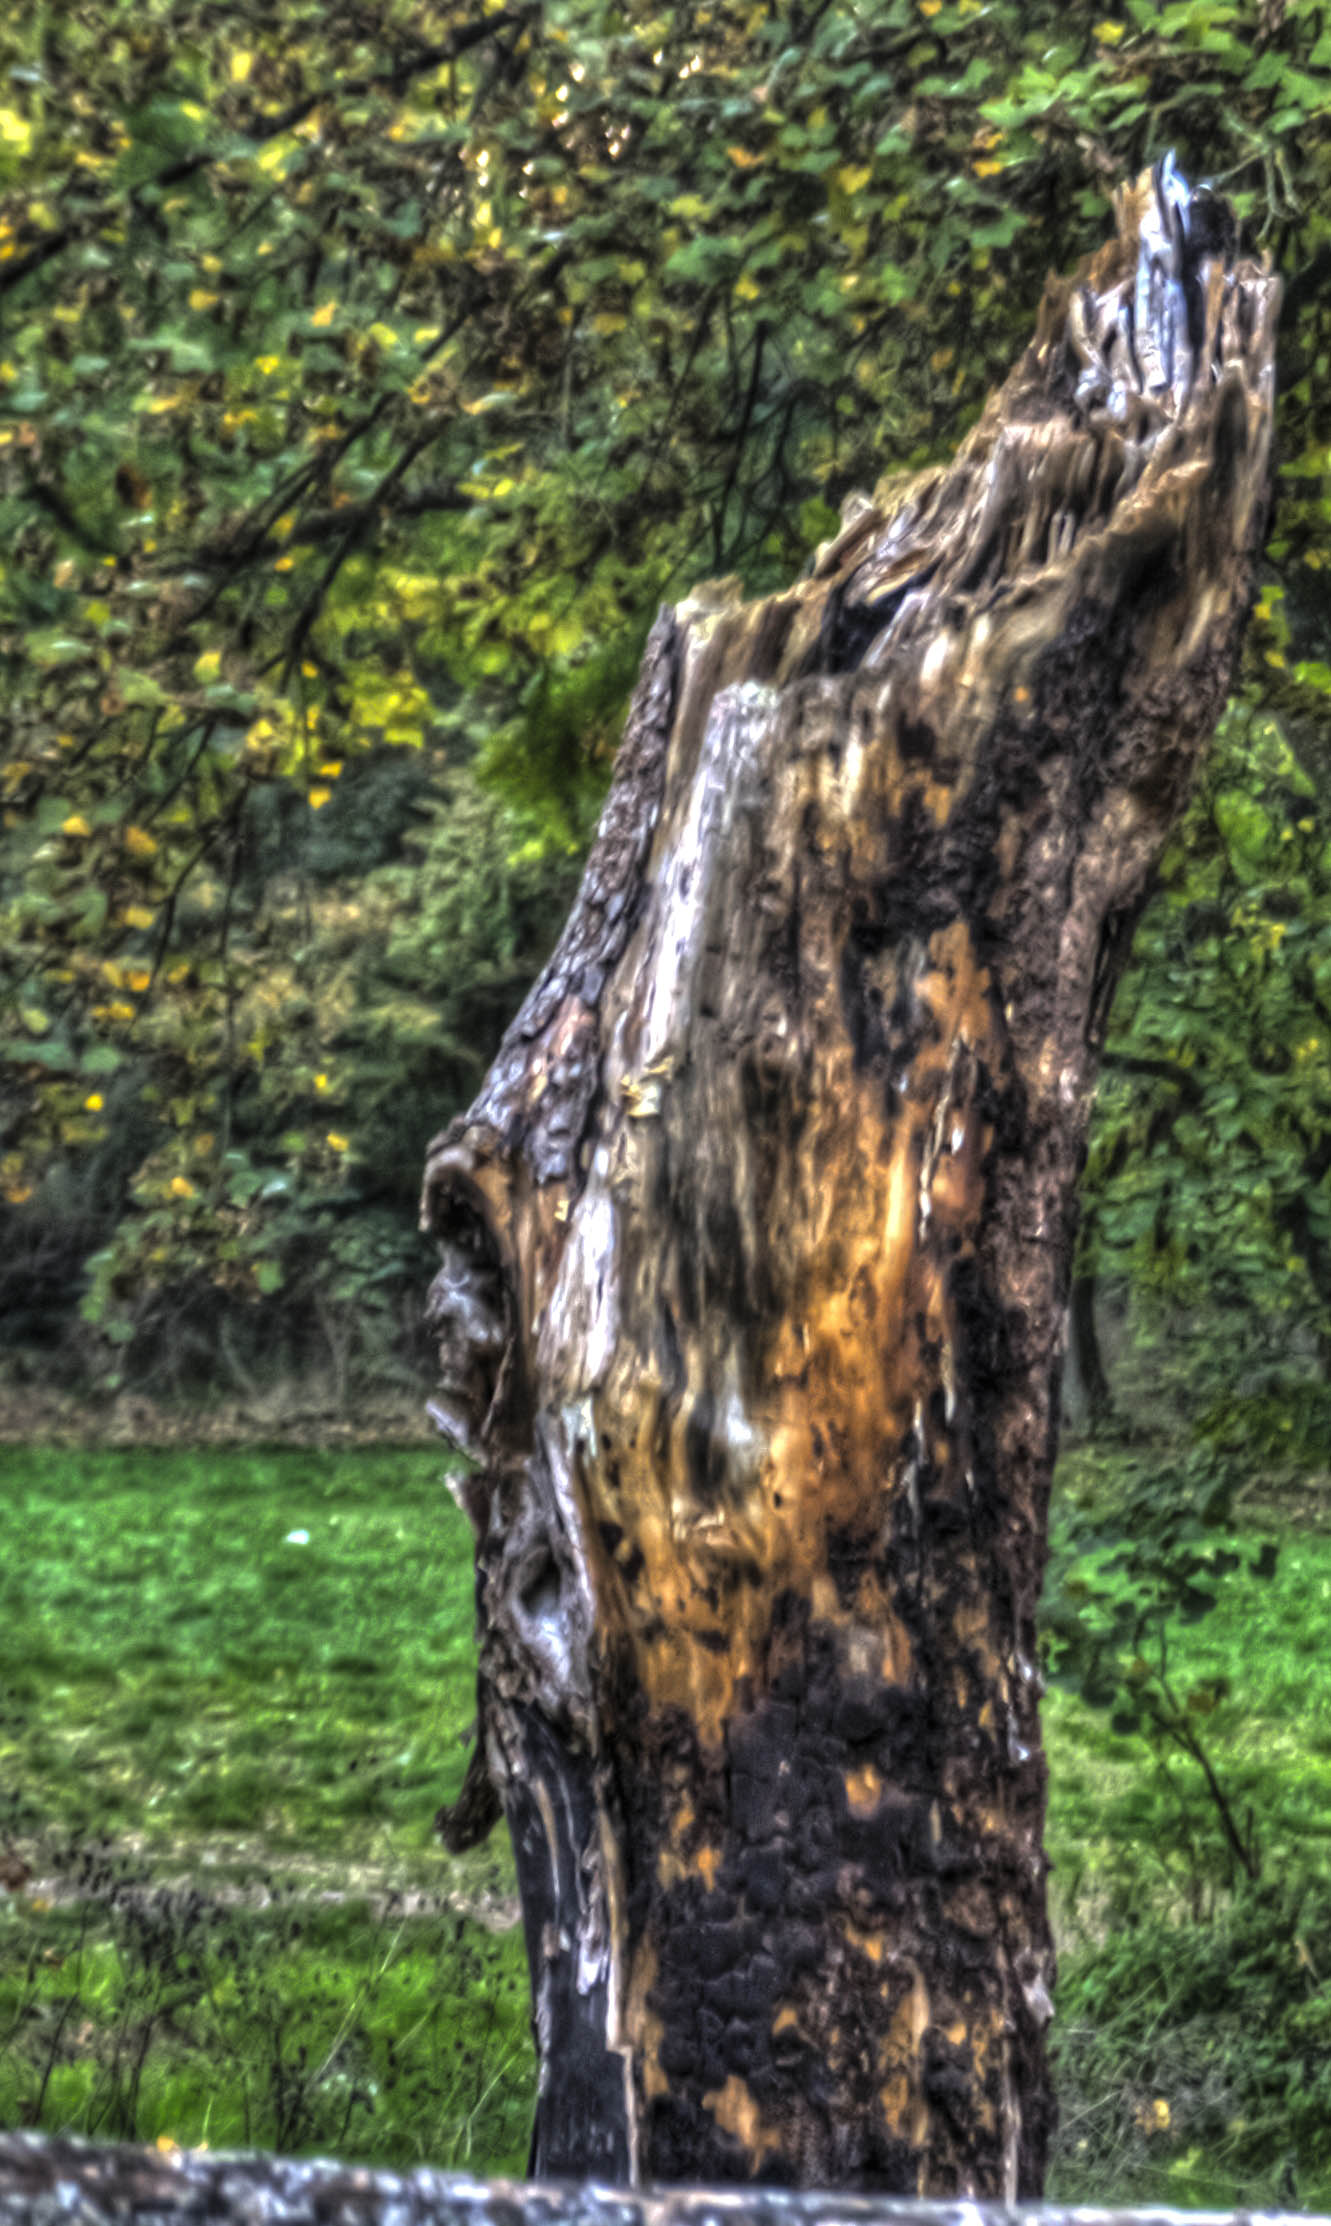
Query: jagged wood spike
x,y
757,1244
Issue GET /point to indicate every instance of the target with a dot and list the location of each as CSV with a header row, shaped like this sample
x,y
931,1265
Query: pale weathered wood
x,y
756,1253
52,2182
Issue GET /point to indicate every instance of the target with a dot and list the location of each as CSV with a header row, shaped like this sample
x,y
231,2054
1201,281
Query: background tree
x,y
367,379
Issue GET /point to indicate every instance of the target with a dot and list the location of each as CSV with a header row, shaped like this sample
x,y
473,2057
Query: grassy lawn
x,y
234,1688
243,1653
252,1674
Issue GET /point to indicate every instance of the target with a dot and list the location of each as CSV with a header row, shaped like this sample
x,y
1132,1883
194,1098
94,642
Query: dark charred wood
x,y
473,1816
757,1249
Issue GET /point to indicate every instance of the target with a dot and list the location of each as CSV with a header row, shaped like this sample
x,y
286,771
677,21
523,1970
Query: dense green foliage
x,y
268,1720
1208,1190
366,378
1192,2059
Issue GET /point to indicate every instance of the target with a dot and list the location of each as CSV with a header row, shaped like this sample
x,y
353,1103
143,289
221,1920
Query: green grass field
x,y
252,1674
235,1687
266,1653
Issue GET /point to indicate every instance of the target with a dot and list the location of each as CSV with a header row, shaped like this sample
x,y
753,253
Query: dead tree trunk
x,y
756,1249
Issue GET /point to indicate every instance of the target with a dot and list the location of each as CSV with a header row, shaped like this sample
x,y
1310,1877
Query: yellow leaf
x,y
606,322
94,1103
161,403
200,298
337,1143
1110,33
139,979
34,1019
854,177
930,7
242,62
987,169
181,1187
284,564
324,315
503,487
119,1010
76,824
383,336
309,671
318,798
742,158
15,131
208,667
139,843
747,287
330,771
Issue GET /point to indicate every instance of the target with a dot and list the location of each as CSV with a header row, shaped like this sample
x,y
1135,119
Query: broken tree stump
x,y
756,1251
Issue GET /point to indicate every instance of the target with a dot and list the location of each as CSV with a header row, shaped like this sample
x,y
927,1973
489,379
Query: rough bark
x,y
56,2182
756,1250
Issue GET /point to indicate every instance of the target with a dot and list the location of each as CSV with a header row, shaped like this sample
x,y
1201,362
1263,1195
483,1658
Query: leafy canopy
x,y
368,375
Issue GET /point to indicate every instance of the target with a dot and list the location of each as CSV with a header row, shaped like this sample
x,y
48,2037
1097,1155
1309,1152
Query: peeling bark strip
x,y
54,2182
756,1248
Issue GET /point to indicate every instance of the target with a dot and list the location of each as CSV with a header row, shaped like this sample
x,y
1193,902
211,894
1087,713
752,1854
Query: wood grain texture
x,y
756,1249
